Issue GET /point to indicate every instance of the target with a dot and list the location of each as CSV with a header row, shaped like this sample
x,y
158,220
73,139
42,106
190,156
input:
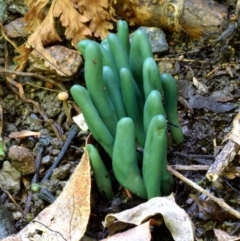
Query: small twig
x,y
228,153
6,38
38,76
237,11
228,32
1,120
231,169
71,134
38,162
190,167
12,199
219,201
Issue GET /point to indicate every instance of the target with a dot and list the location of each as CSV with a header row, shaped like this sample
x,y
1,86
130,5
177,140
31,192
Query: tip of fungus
x,y
63,96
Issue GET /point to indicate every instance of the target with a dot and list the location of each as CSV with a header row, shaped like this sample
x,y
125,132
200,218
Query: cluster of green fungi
x,y
123,108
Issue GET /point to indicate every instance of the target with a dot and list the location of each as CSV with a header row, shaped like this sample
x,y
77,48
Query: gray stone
x,y
22,159
61,172
6,223
10,178
3,11
17,6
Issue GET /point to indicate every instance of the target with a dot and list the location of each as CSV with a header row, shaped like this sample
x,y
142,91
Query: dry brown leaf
x,y
72,20
46,33
67,217
35,15
175,218
97,12
139,233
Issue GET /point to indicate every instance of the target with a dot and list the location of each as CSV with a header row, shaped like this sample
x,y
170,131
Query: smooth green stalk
x,y
107,57
123,34
131,105
155,155
170,99
97,88
151,77
125,159
140,50
105,44
121,58
95,124
153,106
114,92
100,172
119,52
166,182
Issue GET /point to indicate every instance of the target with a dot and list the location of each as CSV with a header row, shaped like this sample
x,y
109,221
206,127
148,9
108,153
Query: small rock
x,y
10,178
17,215
16,28
47,160
3,11
55,152
51,105
38,204
34,123
56,143
52,185
61,172
17,6
7,226
22,159
67,62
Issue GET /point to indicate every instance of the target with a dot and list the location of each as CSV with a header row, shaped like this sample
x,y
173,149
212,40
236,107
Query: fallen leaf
x,y
46,32
67,217
35,15
72,20
43,35
208,102
97,12
73,15
139,233
223,236
175,218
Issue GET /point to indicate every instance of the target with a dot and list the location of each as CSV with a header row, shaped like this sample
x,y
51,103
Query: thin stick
x,y
12,199
219,201
228,153
232,169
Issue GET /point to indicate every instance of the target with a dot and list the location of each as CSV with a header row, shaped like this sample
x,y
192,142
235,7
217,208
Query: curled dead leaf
x,y
175,218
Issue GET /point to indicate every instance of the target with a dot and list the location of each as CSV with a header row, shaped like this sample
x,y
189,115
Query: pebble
x,y
6,223
10,178
3,11
66,60
15,29
22,159
61,172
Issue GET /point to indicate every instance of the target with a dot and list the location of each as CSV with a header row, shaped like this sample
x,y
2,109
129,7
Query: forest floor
x,y
208,77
